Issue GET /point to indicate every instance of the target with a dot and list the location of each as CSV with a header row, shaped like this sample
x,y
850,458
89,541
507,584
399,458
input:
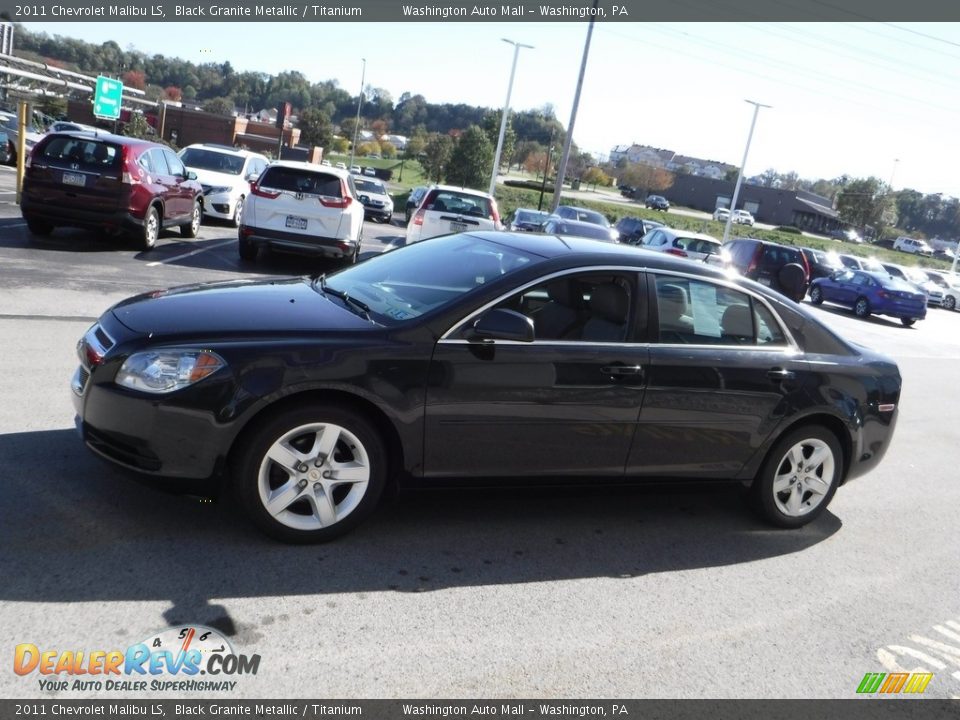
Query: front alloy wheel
x,y
238,213
799,477
311,474
816,295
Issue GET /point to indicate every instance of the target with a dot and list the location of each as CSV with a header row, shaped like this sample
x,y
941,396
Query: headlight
x,y
163,371
218,190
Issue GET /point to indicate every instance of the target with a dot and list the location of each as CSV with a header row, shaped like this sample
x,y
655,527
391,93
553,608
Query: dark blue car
x,y
871,293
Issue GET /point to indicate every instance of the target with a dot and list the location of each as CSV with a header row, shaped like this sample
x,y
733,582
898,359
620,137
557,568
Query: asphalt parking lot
x,y
626,592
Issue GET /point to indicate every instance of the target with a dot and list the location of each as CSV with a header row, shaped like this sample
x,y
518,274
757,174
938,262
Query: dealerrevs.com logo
x,y
191,658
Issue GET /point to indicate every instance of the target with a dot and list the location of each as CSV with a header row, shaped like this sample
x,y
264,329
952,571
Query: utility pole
x,y
562,167
506,112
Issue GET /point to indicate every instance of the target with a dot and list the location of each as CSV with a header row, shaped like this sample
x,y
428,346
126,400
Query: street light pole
x,y
356,127
736,189
506,112
892,173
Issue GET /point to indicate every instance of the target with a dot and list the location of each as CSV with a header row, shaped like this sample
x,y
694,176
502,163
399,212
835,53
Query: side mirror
x,y
191,175
502,324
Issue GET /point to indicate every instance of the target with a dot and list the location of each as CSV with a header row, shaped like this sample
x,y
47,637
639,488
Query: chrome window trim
x,y
792,347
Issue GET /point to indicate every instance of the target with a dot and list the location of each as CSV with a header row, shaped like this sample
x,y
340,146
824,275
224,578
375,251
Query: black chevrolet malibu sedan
x,y
486,355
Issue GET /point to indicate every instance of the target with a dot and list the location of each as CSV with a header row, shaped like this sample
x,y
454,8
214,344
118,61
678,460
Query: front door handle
x,y
622,370
779,374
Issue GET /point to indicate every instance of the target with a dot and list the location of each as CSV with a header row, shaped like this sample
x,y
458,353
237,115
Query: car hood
x,y
237,307
215,179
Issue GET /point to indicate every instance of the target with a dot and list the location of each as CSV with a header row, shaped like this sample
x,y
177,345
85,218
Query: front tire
x,y
799,477
238,213
190,229
816,295
311,473
861,308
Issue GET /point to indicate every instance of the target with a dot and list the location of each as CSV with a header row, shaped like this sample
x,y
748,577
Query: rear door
x,y
300,201
73,172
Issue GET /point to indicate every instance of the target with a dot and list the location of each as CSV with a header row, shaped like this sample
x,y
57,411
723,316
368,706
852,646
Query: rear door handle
x,y
781,374
622,370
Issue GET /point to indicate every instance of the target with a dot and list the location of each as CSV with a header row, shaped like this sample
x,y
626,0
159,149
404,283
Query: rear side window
x,y
459,203
92,155
301,181
776,256
700,313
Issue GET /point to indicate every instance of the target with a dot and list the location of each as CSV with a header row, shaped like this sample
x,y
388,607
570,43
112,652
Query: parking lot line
x,y
191,253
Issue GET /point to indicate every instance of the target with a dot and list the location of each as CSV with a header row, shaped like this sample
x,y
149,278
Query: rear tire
x,y
38,227
248,250
861,308
311,473
949,302
798,478
190,229
150,230
908,322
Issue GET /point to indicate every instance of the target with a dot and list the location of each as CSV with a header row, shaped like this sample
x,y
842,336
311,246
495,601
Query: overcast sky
x,y
857,98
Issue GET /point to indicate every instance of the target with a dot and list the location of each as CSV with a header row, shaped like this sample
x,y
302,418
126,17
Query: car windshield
x,y
370,186
589,216
531,216
873,265
915,275
401,285
200,159
582,230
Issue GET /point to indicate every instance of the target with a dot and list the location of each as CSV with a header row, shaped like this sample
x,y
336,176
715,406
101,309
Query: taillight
x,y
755,260
495,213
418,218
132,173
882,294
260,192
677,251
806,265
335,202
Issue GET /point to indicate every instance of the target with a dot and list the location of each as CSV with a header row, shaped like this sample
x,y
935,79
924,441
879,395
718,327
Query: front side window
x,y
590,307
698,312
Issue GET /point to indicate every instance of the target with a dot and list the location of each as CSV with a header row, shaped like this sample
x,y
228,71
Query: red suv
x,y
109,182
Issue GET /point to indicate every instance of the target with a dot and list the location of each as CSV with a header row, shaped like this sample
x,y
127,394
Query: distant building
x,y
670,160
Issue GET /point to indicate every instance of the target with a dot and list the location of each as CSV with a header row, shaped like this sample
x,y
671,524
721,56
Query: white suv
x,y
445,210
742,217
225,174
302,207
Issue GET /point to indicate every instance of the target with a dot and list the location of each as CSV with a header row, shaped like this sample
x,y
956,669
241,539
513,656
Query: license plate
x,y
74,179
298,223
457,227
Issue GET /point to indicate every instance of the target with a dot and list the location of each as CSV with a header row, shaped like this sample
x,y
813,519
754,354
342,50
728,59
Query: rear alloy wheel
x,y
861,308
238,212
38,227
190,229
311,474
151,229
949,302
908,322
816,295
799,477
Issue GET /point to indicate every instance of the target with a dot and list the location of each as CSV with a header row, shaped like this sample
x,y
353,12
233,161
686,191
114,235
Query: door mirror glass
x,y
191,175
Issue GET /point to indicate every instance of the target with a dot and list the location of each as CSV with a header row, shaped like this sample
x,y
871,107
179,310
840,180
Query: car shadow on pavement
x,y
76,529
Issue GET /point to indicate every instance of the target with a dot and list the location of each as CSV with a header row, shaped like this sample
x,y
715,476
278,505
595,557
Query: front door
x,y
566,403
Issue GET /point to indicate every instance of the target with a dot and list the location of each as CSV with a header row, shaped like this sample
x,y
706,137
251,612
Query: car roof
x,y
107,136
312,167
225,149
467,191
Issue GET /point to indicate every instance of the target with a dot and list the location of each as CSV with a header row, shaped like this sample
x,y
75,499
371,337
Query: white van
x,y
910,245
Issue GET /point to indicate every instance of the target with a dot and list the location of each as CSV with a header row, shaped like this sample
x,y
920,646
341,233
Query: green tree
x,y
864,202
491,126
219,106
471,160
315,128
388,149
137,127
340,145
437,153
415,146
595,176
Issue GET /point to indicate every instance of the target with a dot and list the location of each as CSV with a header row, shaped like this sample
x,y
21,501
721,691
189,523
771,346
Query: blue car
x,y
871,293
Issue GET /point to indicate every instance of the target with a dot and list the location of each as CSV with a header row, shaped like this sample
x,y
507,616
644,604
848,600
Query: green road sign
x,y
106,98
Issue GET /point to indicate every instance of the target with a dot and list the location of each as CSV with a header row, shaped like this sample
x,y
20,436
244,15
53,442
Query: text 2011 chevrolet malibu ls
x,y
488,355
